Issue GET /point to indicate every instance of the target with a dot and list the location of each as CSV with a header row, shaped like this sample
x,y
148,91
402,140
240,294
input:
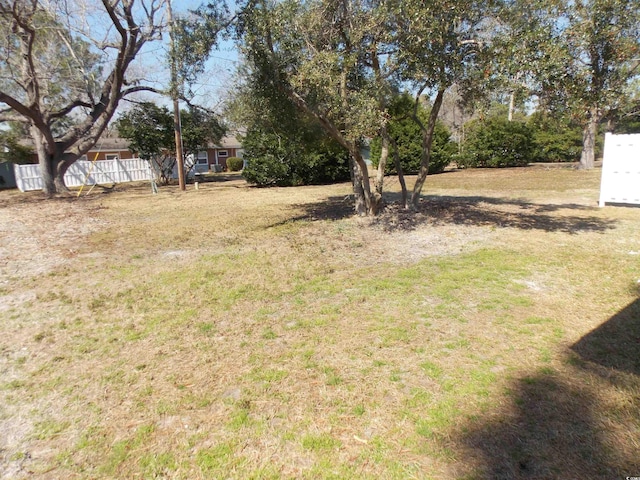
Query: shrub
x,y
409,140
301,159
497,142
556,139
234,164
408,137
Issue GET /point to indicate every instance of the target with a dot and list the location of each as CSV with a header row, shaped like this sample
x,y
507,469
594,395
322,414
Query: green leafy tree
x,y
440,44
581,56
150,131
200,128
282,146
314,52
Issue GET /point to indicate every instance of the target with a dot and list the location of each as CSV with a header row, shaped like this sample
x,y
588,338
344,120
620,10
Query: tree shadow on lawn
x,y
557,426
472,211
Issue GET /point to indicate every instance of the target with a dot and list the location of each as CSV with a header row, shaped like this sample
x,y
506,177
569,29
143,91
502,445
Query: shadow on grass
x,y
472,211
556,427
554,432
616,343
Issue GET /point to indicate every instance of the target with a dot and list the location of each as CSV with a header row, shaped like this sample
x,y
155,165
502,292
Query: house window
x,y
112,156
203,158
223,153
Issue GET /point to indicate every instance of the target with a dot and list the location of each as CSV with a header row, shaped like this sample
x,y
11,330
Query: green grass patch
x,y
219,460
321,442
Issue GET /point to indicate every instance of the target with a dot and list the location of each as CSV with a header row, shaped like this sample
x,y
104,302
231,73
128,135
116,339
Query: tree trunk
x,y
61,167
589,133
403,184
44,160
49,186
365,202
384,155
427,142
512,103
360,202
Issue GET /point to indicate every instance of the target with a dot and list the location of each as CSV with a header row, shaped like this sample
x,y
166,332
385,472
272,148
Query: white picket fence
x,y
84,172
620,181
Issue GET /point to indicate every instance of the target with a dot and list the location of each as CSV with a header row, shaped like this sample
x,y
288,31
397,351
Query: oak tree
x,y
70,62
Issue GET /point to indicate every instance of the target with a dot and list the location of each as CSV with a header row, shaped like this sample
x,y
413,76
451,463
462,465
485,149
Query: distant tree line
x,y
329,74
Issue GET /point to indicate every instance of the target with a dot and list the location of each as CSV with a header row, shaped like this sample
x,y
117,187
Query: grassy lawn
x,y
235,332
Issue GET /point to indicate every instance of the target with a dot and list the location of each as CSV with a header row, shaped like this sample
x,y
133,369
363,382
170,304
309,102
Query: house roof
x,y
227,142
110,143
117,143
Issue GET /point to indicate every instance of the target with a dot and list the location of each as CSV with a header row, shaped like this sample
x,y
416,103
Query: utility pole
x,y
174,96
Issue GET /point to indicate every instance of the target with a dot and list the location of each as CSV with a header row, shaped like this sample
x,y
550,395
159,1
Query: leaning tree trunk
x,y
59,180
360,204
427,142
382,166
589,133
384,155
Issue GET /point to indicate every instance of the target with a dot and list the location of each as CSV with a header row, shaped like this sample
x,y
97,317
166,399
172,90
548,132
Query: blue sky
x,y
211,87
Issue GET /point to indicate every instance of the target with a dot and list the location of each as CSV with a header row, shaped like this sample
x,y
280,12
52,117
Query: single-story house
x,y
109,148
214,158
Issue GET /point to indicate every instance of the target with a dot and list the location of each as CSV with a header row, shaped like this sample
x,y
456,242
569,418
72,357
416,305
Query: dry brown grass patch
x,y
266,332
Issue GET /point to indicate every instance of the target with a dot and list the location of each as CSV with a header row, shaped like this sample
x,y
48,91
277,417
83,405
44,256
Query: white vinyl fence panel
x,y
84,172
620,182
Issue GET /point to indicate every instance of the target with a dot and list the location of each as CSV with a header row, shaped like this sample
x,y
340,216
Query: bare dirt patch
x,y
39,235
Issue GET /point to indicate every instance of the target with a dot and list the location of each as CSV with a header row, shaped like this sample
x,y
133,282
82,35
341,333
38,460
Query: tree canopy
x,y
150,131
61,65
579,57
